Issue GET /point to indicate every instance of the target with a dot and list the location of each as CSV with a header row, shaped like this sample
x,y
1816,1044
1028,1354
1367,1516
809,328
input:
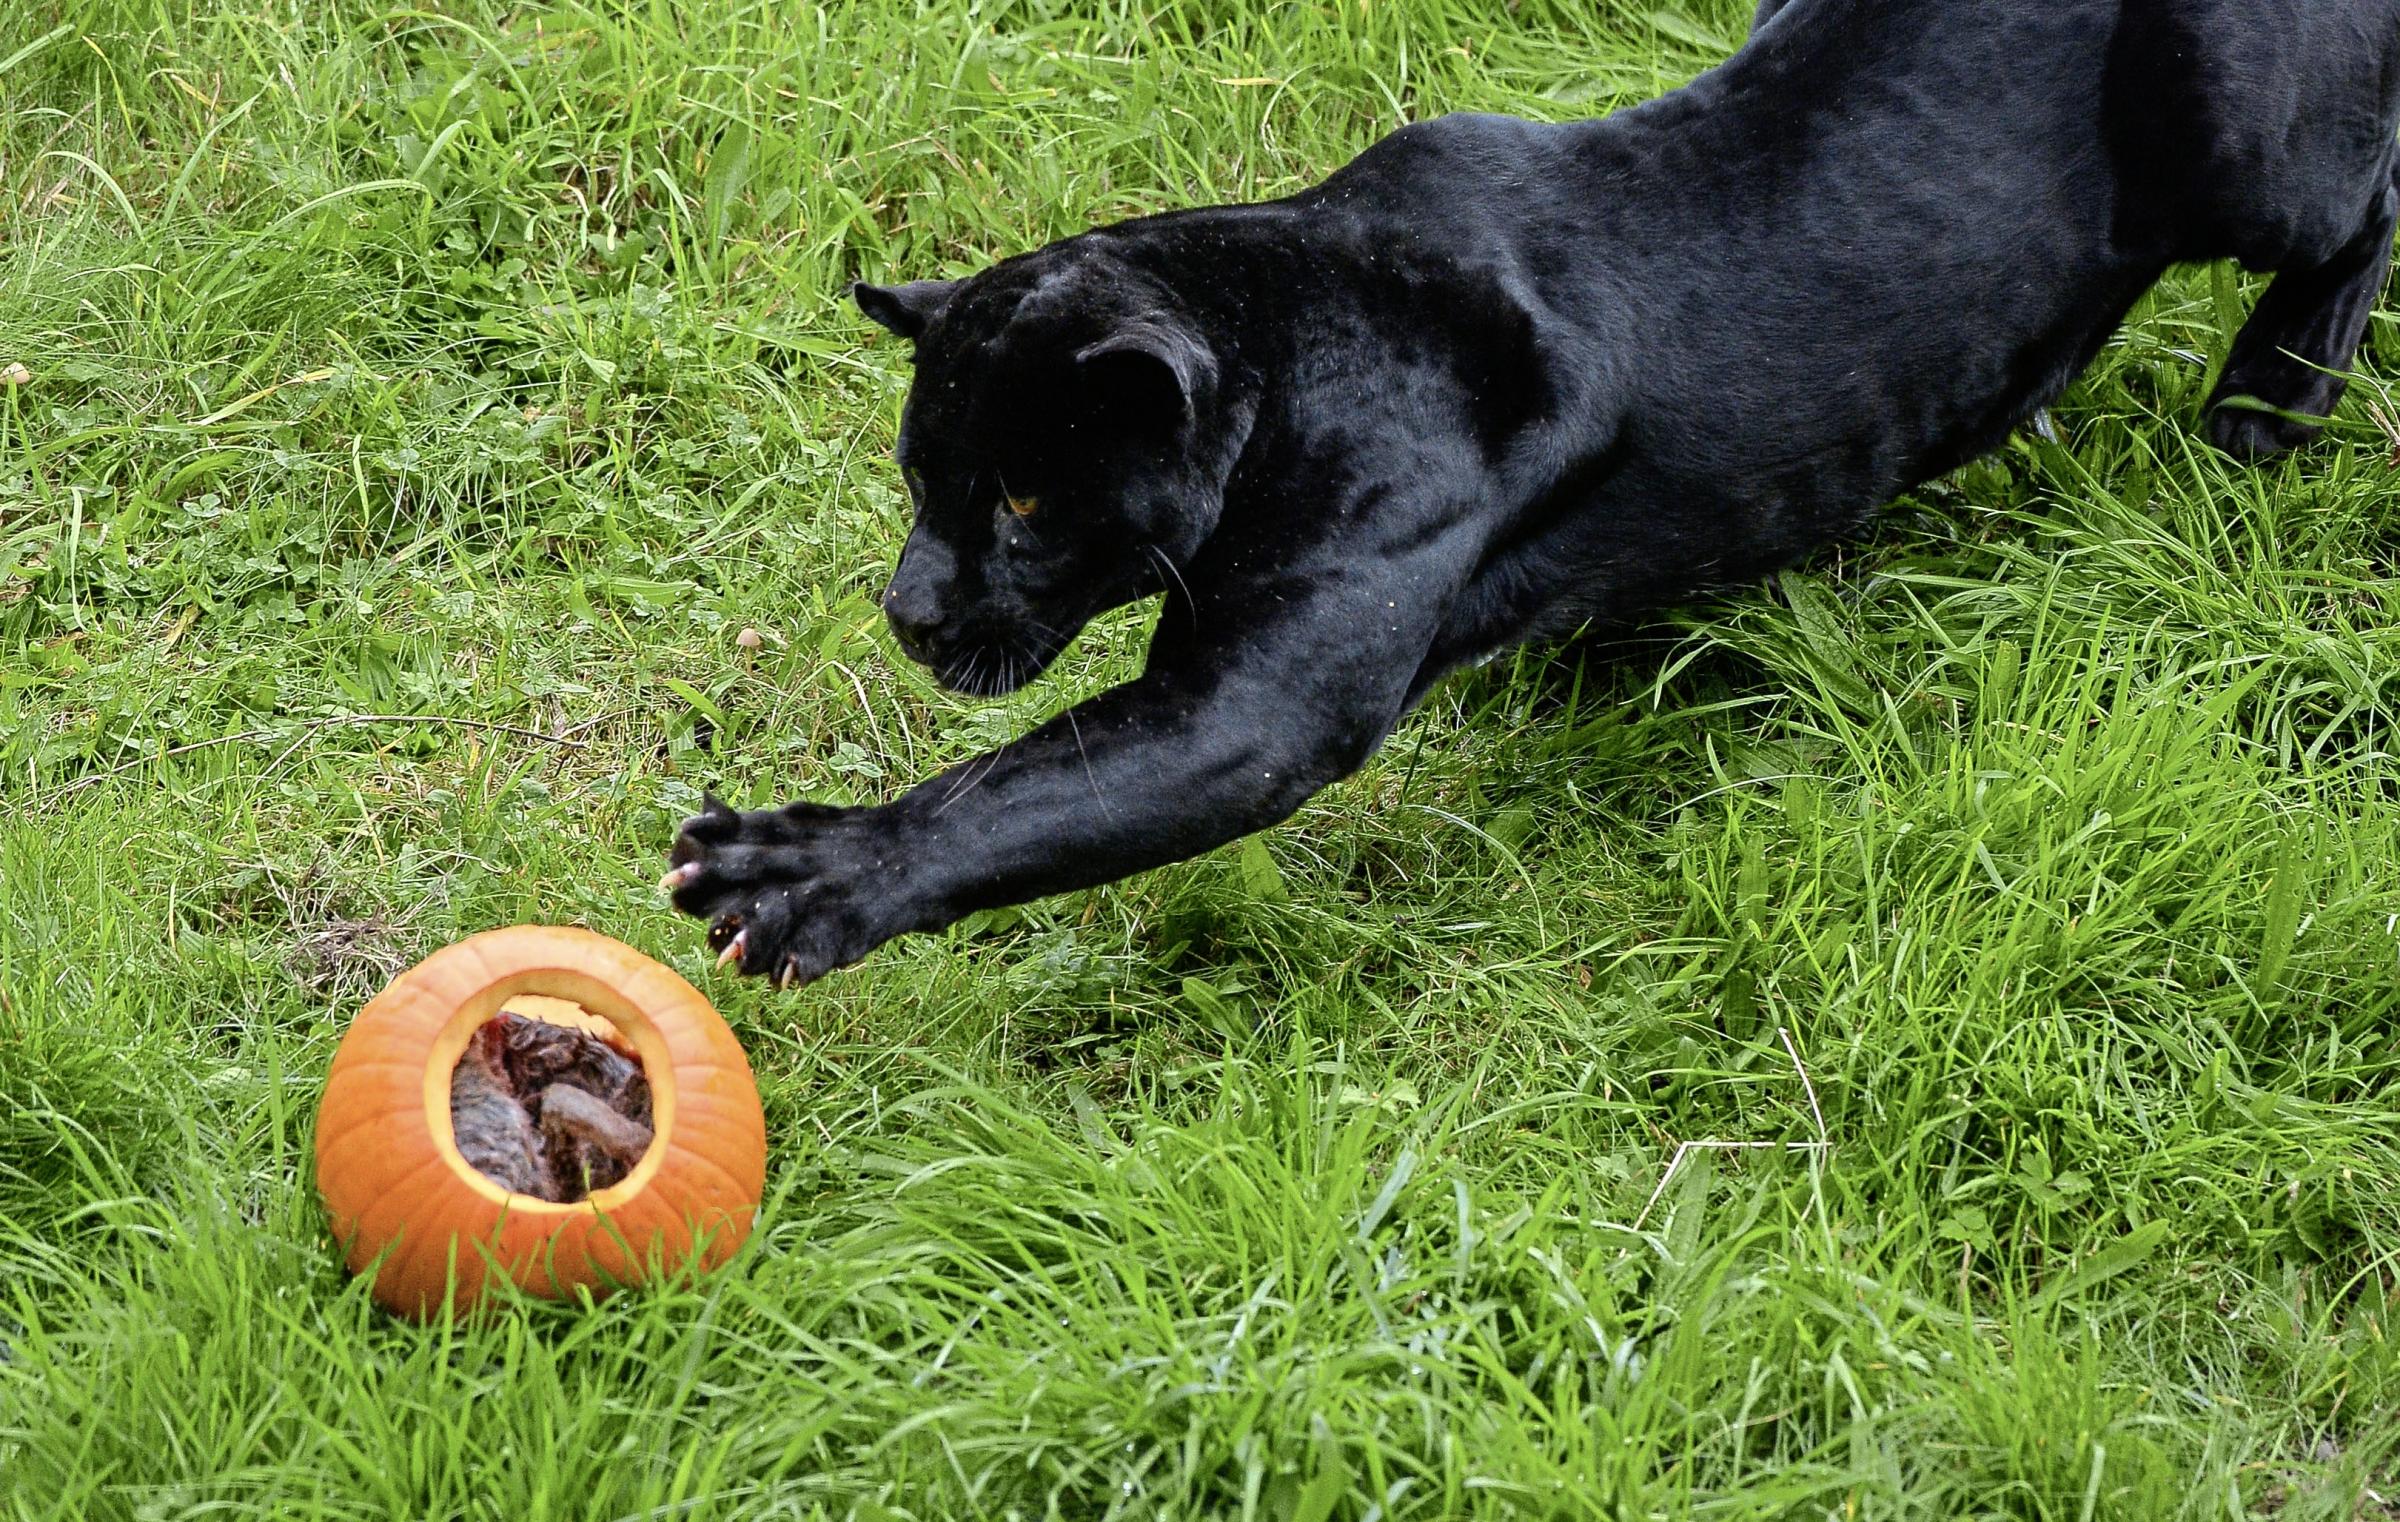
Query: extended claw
x,y
787,974
677,876
733,948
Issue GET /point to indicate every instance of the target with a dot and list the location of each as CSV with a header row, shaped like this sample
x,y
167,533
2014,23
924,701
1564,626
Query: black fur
x,y
1496,380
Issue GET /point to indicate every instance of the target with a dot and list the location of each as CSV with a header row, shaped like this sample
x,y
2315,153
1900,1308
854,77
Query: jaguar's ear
x,y
905,309
1154,364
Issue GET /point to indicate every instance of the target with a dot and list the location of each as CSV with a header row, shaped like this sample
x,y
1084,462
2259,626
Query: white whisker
x,y
1058,640
1168,565
1089,775
969,780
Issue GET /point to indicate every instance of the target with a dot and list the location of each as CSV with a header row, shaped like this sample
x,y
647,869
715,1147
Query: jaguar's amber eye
x,y
1023,506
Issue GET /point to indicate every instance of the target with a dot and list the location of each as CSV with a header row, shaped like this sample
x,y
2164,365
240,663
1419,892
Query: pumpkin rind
x,y
396,1188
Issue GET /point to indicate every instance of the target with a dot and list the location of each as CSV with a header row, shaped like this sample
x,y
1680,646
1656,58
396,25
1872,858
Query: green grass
x,y
487,366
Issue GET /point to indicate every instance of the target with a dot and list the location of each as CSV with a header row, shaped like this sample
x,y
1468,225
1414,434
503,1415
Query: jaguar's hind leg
x,y
2294,353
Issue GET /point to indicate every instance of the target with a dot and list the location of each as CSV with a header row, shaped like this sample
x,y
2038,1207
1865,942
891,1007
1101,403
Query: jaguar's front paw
x,y
792,893
2251,434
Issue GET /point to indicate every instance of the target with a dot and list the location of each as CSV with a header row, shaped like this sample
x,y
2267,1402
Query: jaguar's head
x,y
1066,444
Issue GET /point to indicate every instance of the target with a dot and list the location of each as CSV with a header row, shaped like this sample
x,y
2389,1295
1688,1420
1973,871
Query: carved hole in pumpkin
x,y
549,1100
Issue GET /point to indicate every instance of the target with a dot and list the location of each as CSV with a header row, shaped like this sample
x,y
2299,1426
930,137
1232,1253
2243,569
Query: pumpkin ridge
x,y
396,1187
334,1144
714,1124
369,1064
702,1160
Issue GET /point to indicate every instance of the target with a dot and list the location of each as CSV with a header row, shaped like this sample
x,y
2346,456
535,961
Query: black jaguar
x,y
1495,380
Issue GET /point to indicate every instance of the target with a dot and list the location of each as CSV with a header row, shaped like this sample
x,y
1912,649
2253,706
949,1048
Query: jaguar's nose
x,y
923,596
915,618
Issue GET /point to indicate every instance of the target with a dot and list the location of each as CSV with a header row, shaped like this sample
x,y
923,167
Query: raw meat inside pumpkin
x,y
548,1110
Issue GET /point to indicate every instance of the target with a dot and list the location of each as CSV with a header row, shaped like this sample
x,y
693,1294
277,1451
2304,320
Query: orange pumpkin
x,y
397,1187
